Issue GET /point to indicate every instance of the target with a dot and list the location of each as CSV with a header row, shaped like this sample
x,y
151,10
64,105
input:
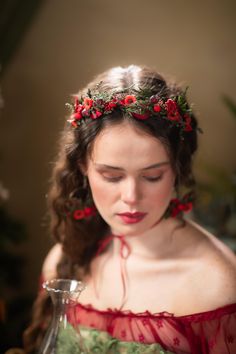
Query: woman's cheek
x,y
163,194
101,191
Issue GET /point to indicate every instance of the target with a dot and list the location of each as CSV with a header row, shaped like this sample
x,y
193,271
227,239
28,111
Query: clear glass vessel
x,y
63,335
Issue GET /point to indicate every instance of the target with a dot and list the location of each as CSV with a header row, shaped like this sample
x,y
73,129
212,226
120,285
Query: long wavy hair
x,y
68,191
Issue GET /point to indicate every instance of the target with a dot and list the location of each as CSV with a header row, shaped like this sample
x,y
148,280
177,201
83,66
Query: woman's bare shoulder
x,y
216,271
49,269
210,245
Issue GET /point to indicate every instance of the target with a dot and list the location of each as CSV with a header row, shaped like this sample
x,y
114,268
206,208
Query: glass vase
x,y
63,335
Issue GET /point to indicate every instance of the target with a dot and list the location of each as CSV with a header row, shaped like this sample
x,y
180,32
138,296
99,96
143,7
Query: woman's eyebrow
x,y
156,165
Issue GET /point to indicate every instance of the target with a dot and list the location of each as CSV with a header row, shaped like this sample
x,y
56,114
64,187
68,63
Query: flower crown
x,y
141,105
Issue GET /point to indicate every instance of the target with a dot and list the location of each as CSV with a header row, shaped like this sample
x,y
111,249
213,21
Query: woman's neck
x,y
156,242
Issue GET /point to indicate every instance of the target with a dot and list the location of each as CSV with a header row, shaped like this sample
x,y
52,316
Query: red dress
x,y
117,331
211,332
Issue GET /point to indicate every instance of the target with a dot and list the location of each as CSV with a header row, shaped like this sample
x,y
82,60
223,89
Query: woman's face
x,y
131,179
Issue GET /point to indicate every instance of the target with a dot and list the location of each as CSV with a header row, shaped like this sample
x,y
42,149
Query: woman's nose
x,y
130,192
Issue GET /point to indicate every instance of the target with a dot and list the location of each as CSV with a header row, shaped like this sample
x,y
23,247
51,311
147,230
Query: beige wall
x,y
72,40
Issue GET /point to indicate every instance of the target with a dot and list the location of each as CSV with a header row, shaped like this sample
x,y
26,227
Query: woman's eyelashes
x,y
117,178
112,178
153,179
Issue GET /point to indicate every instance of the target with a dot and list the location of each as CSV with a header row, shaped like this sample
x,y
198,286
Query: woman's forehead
x,y
123,144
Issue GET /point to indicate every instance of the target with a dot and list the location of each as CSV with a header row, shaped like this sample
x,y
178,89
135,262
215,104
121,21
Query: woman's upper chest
x,y
155,286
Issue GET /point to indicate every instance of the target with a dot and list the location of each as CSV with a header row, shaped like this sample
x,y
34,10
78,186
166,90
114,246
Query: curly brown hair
x,y
80,240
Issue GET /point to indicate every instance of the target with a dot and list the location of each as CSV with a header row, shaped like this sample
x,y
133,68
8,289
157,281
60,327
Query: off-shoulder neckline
x,y
194,317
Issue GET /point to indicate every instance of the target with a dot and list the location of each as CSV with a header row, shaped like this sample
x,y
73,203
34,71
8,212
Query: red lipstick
x,y
132,218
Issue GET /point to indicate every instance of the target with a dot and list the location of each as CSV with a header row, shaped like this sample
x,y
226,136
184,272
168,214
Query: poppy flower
x,y
129,99
88,102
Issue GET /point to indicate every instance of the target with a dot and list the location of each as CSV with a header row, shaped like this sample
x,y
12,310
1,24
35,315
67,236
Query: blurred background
x,y
51,48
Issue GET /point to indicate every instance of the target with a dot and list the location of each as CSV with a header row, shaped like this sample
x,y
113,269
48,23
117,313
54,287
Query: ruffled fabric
x,y
211,332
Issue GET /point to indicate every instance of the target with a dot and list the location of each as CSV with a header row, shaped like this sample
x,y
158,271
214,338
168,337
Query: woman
x,y
156,282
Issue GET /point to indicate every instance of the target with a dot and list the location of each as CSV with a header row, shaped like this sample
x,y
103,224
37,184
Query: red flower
x,y
188,206
188,128
175,212
171,106
176,116
129,99
85,113
74,124
96,114
78,214
76,116
122,102
177,206
79,108
84,213
89,211
109,106
172,110
187,119
141,116
157,108
76,103
88,102
153,99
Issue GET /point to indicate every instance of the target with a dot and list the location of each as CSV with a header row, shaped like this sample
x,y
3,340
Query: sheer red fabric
x,y
211,332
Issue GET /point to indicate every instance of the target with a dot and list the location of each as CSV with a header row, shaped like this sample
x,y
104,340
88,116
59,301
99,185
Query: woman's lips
x,y
132,218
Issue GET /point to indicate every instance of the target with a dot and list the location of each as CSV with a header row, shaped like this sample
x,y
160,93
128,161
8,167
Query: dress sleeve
x,y
215,333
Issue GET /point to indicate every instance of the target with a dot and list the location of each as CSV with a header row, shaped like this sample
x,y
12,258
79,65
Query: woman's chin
x,y
129,229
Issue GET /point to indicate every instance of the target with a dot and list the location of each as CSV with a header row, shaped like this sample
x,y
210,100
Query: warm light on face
x,y
130,172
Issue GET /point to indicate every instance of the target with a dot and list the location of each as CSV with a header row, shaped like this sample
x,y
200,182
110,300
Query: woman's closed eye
x,y
111,177
153,178
117,178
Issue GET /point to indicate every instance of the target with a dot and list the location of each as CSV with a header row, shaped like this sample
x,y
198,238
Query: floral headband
x,y
141,105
